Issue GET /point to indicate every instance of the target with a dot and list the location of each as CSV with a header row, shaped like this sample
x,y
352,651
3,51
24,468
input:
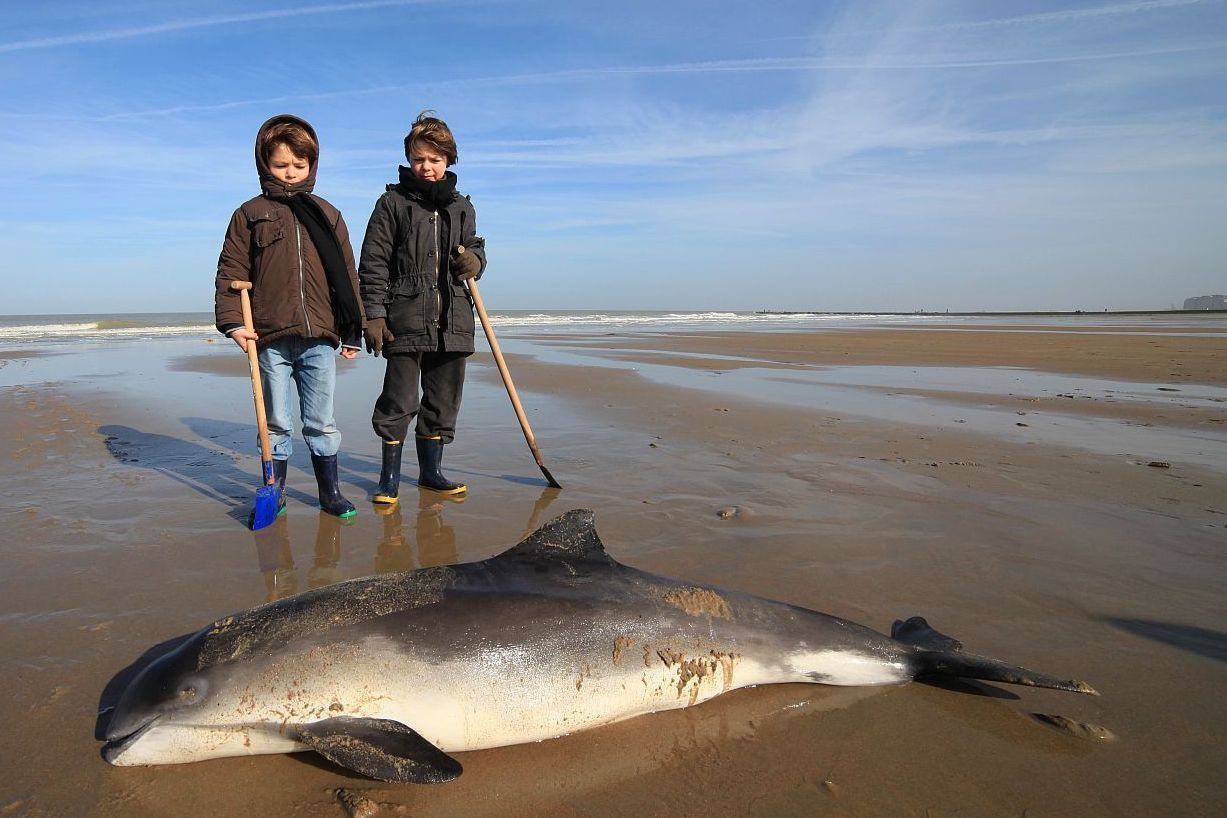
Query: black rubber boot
x,y
331,500
389,474
430,456
279,470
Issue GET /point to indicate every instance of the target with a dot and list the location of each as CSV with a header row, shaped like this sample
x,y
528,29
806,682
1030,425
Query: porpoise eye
x,y
186,693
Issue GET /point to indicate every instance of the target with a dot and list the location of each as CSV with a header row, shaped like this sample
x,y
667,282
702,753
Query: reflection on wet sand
x,y
395,552
434,537
276,560
275,556
548,495
327,552
436,540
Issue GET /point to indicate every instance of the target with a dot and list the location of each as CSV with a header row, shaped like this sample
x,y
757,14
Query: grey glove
x,y
377,334
464,265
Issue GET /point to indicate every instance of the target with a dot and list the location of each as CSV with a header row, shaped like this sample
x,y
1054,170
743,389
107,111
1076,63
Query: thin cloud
x,y
1042,18
1075,14
827,64
198,22
710,67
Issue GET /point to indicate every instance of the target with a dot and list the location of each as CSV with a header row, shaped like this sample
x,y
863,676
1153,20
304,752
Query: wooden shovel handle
x,y
502,368
506,375
257,390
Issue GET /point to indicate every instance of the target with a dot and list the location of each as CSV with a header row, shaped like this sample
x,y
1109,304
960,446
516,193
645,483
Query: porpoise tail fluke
x,y
941,655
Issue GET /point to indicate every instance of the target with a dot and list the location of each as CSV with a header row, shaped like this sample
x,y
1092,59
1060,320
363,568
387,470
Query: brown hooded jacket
x,y
266,245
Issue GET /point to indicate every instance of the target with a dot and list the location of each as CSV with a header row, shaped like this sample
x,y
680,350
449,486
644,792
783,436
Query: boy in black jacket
x,y
418,311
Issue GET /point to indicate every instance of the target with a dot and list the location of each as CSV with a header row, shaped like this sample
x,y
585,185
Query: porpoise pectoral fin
x,y
380,748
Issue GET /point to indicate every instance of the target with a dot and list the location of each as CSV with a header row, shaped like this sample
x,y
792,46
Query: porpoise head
x,y
229,691
248,683
168,694
181,708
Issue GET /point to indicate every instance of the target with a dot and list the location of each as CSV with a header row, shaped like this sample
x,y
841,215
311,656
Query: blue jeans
x,y
312,365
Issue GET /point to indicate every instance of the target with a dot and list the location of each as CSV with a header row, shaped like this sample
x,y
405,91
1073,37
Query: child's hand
x,y
349,353
464,265
377,334
242,336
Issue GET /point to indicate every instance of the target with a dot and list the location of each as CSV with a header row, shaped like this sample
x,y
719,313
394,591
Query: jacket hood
x,y
270,184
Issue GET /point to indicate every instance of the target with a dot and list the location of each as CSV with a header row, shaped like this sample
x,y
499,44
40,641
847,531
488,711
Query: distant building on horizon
x,y
1206,302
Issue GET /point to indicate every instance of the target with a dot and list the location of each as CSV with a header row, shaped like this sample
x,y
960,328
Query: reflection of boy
x,y
436,539
420,317
276,561
393,552
294,248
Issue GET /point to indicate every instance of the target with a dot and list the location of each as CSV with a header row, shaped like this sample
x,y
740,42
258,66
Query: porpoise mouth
x,y
118,744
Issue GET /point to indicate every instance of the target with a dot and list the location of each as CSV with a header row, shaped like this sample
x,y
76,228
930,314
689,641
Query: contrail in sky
x,y
198,22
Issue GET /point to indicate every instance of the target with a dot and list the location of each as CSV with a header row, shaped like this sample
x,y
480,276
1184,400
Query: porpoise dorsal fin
x,y
380,748
569,536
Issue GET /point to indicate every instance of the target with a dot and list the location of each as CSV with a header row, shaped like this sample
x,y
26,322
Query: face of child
x,y
286,165
427,163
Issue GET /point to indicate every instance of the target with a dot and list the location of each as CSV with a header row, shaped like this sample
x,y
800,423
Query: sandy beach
x,y
1050,493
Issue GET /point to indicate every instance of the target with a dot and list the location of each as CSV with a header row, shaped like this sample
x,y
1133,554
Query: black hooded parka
x,y
404,270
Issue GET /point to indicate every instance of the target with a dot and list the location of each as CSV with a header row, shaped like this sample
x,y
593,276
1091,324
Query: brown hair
x,y
294,136
434,132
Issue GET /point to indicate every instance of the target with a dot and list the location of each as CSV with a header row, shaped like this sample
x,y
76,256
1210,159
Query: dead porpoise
x,y
387,675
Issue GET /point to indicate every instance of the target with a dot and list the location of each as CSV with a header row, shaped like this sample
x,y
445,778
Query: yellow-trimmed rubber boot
x,y
430,456
388,492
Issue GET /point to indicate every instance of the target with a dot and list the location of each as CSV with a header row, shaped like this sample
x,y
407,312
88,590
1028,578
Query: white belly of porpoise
x,y
501,699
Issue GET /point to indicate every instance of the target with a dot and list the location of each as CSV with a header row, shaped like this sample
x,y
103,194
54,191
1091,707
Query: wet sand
x,y
1050,496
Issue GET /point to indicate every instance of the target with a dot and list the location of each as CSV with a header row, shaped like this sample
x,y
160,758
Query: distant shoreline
x,y
203,314
26,331
992,313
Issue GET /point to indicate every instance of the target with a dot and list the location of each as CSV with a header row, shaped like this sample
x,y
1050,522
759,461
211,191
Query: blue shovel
x,y
268,496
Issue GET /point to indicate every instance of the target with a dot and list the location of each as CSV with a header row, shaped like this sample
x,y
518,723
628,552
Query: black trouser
x,y
442,378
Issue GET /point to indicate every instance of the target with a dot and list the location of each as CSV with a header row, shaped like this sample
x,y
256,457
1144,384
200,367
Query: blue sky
x,y
810,155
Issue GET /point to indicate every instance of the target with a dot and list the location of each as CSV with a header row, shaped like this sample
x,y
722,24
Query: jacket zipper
x,y
438,284
302,287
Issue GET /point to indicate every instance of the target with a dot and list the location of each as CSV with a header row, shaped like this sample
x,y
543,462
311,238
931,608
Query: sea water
x,y
23,330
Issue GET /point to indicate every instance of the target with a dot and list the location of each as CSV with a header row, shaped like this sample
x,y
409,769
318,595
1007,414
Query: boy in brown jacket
x,y
293,246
